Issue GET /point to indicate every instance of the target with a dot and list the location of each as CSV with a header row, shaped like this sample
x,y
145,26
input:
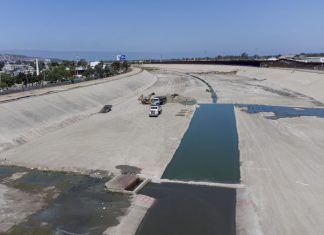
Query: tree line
x,y
62,72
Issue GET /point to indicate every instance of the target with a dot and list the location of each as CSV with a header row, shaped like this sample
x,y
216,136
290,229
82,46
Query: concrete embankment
x,y
25,118
209,150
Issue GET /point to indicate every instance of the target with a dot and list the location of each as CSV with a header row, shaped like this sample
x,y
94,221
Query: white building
x,y
15,69
8,68
94,64
80,69
287,57
272,59
314,59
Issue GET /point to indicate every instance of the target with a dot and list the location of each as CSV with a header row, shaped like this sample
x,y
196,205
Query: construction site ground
x,y
281,160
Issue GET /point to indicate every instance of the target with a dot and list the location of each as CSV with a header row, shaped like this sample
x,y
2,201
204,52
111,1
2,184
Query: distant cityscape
x,y
19,72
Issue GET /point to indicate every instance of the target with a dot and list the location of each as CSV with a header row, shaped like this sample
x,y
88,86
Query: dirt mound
x,y
176,98
234,72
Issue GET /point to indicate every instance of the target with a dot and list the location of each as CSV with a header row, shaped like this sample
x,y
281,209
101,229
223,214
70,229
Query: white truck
x,y
155,110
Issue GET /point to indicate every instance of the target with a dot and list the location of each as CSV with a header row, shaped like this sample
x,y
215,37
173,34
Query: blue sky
x,y
204,27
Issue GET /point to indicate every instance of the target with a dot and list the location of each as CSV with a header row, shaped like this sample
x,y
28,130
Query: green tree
x,y
125,66
245,55
82,63
68,63
99,71
54,64
89,73
3,85
33,78
58,73
108,71
115,66
21,78
8,80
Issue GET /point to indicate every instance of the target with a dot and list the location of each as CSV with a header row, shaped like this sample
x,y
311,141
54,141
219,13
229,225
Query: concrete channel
x,y
189,209
209,149
280,152
197,192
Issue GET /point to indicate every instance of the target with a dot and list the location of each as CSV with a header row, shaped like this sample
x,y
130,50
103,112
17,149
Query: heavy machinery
x,y
146,99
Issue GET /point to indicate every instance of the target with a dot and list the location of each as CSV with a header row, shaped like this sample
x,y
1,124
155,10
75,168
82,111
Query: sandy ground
x,y
302,83
282,160
16,205
283,168
125,136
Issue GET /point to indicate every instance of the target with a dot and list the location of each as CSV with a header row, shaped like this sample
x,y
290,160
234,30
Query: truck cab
x,y
155,110
155,101
159,100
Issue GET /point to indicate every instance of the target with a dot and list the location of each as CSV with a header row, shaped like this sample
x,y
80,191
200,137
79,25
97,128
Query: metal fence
x,y
282,63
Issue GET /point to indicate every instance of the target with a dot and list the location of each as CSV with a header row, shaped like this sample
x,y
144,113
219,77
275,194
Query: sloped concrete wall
x,y
24,119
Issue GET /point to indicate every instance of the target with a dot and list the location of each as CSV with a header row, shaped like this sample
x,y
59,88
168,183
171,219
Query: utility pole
x,y
37,67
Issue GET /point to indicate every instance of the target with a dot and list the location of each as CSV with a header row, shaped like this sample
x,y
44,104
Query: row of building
x,y
299,59
15,69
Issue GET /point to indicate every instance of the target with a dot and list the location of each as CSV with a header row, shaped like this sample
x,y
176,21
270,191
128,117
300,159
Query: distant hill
x,y
12,57
15,57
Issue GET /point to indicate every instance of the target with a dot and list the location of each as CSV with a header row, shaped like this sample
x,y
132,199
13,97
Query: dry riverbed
x,y
281,160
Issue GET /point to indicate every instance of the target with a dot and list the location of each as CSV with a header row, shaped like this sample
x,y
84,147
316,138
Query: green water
x,y
7,171
182,209
209,148
81,205
35,181
83,208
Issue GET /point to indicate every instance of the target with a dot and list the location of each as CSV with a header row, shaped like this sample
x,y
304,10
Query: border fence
x,y
282,63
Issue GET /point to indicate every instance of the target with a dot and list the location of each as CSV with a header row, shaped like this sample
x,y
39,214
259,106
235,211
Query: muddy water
x,y
281,111
189,210
7,171
76,204
209,148
213,94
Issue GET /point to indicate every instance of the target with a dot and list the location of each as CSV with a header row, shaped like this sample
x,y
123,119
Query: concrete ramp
x,y
135,214
122,183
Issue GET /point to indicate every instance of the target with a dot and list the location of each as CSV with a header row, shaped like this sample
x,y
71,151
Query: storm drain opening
x,y
126,183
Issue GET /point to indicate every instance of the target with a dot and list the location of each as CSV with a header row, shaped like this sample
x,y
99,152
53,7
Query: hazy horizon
x,y
111,55
148,29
